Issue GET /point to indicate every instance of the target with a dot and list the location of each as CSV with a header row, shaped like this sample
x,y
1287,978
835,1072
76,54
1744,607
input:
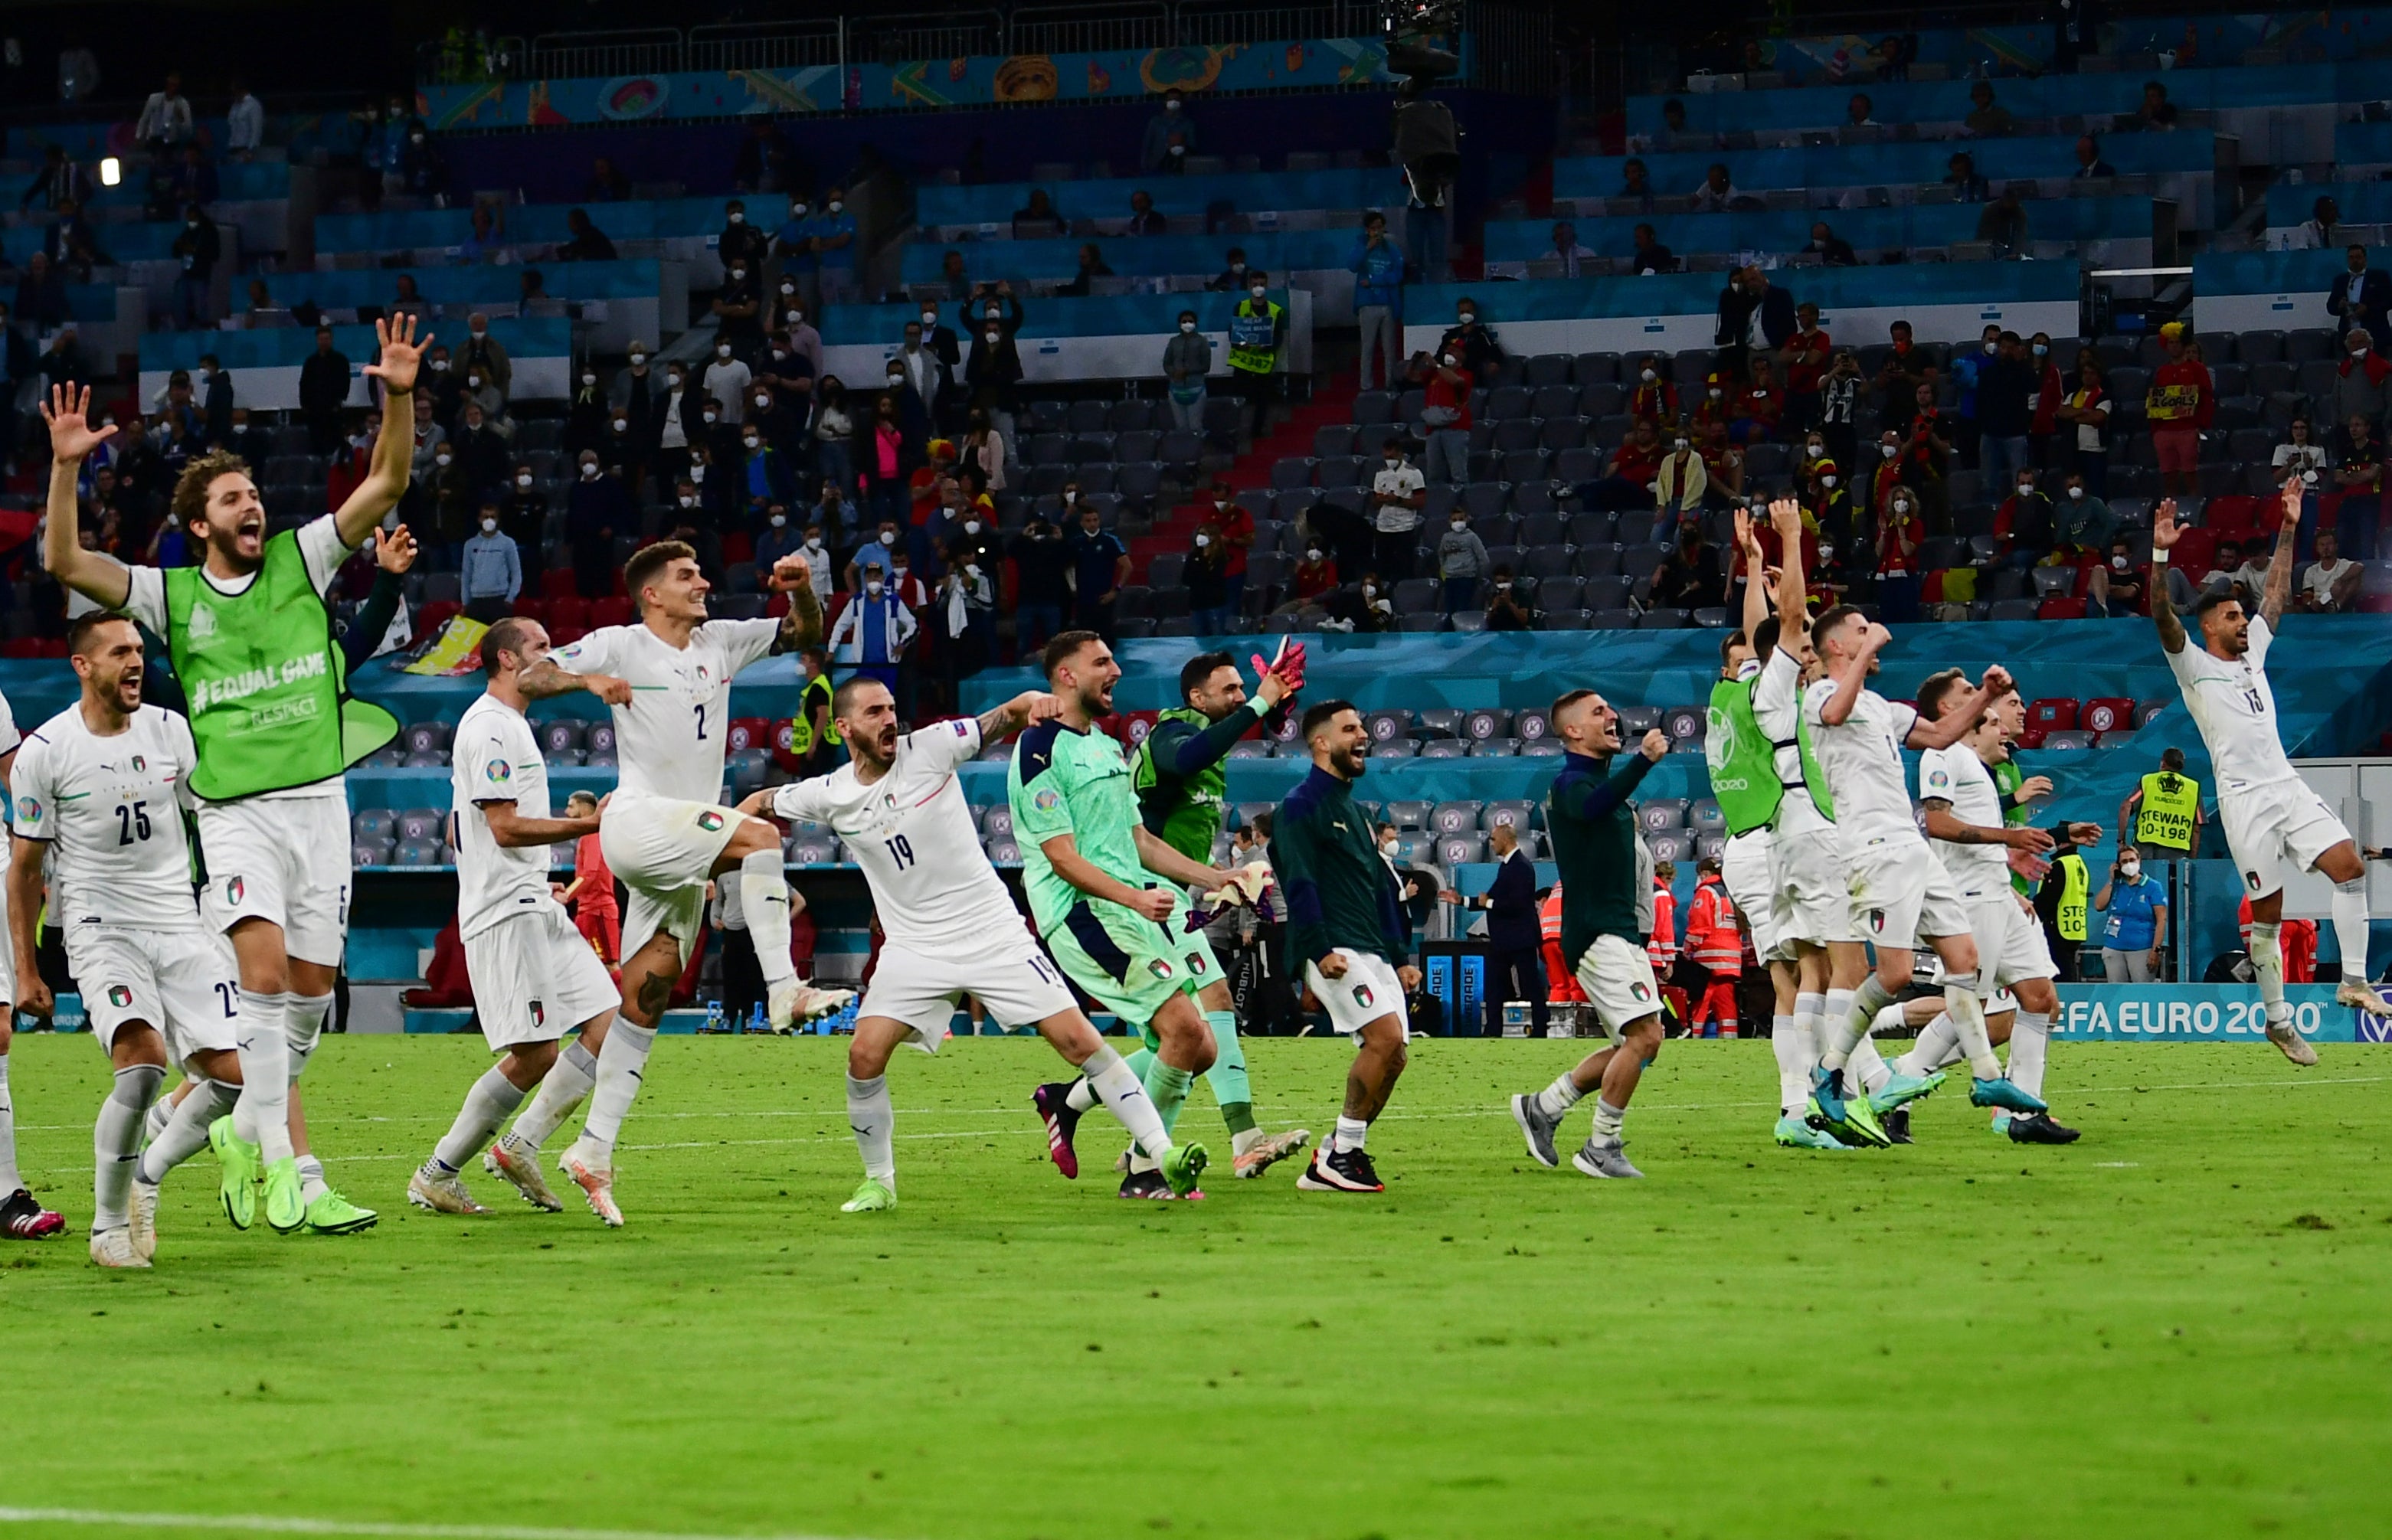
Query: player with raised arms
x,y
2275,823
951,926
249,631
665,831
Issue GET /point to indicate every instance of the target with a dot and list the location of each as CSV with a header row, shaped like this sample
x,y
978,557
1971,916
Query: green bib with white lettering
x,y
1743,765
267,683
1812,776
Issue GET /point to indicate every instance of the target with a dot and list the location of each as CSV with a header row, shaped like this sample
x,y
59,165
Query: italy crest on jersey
x,y
709,821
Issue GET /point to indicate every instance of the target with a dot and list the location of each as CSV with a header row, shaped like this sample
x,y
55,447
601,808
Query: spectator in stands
x,y
1832,250
1968,369
835,247
1099,567
481,448
890,453
1898,377
62,364
2082,522
1960,175
486,239
1682,480
994,368
1187,358
2006,393
1840,393
1860,113
589,243
942,343
481,393
408,301
1369,607
585,415
2330,584
777,537
606,184
422,173
41,294
1926,457
1461,562
966,606
2120,587
1755,316
1690,578
739,309
1379,273
1986,120
834,430
1444,417
61,181
1827,503
1652,398
2155,110
1723,460
955,283
1232,278
2089,164
522,518
873,557
1806,357
1759,409
1237,526
1649,256
486,355
1506,610
2183,401
622,450
873,633
1899,535
1480,352
1037,218
166,121
1398,492
926,373
764,474
490,568
1170,139
1040,588
2087,409
1566,250
1635,188
2026,524
18,365
1315,575
2358,386
912,412
323,390
72,244
1144,219
2003,223
2134,932
1092,267
2050,389
1627,482
2300,455
2318,230
766,161
2358,472
792,250
2225,564
727,381
1202,571
1717,192
982,462
740,239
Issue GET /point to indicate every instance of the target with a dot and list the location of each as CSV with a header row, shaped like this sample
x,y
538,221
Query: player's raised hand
x,y
1999,681
789,574
401,353
394,550
2294,490
67,413
1154,904
1785,517
2033,786
1656,745
2164,531
1745,540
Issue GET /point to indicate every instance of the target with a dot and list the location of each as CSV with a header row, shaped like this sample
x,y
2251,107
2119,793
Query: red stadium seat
x,y
2194,551
1136,725
2108,713
2029,736
529,609
430,618
782,755
2233,515
557,583
21,647
614,610
572,611
737,548
2058,607
750,732
2054,714
565,635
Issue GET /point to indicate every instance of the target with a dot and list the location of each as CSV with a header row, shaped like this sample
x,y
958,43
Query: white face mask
x,y
1886,449
1716,392
789,287
638,359
2118,563
589,378
1648,376
1394,462
1070,495
439,366
763,403
1258,290
524,480
589,471
2026,489
750,441
1204,540
1467,316
1312,555
1369,591
688,501
971,526
2358,350
887,536
1388,844
738,275
1680,443
723,351
871,587
474,382
441,459
1991,347
739,218
2042,348
971,569
929,320
1187,327
1903,509
835,204
814,542
622,425
1460,524
697,474
1828,482
489,527
995,338
2130,870
2077,493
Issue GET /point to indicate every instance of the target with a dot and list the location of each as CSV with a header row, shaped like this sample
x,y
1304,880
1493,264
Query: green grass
x,y
2175,1328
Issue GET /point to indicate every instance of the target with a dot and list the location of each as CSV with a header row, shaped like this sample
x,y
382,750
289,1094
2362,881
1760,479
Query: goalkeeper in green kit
x,y
1179,778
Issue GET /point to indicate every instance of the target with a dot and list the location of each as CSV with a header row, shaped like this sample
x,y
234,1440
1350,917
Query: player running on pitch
x,y
1594,828
2275,824
1181,779
249,634
951,926
1086,862
534,977
1346,925
102,789
665,831
1900,894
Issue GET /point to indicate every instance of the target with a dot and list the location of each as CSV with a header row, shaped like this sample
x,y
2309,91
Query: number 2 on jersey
x,y
701,721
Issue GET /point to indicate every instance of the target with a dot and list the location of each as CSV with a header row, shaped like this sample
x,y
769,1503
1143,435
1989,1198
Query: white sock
x,y
1866,1069
2350,929
1938,1044
621,1063
1558,1097
263,1115
1792,1046
486,1105
1083,1094
764,897
568,1080
1834,1006
311,1179
162,1111
1845,1031
1968,1021
302,1023
1125,1095
2268,961
2030,1041
875,1122
1351,1133
9,1180
186,1132
116,1141
1608,1119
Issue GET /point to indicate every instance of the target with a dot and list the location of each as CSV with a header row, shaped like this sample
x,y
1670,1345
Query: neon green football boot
x,y
237,1159
330,1214
284,1208
871,1197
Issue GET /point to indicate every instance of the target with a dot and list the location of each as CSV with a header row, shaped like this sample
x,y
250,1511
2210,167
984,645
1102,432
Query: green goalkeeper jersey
x,y
1066,781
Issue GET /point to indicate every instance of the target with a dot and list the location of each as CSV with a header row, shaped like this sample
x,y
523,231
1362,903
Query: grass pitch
x,y
2173,1328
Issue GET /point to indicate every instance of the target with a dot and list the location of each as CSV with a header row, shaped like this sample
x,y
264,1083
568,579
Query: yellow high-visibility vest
x,y
2171,806
2075,884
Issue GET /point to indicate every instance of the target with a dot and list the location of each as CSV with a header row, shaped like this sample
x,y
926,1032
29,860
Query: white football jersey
x,y
493,758
669,742
112,811
1958,776
1778,711
2235,709
1863,760
9,739
913,833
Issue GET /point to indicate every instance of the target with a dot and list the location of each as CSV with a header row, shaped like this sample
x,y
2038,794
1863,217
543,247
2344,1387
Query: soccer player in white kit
x,y
665,831
1900,894
2275,823
278,855
1966,831
534,977
102,789
951,926
21,1218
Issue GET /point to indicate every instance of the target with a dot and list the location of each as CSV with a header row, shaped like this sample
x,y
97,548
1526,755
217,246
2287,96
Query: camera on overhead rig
x,y
1421,36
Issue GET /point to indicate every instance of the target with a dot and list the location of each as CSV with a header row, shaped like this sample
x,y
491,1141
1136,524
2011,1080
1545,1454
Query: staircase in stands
x,y
1332,401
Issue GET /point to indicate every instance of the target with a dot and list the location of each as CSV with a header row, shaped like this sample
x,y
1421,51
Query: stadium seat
x,y
1388,727
1531,726
1658,813
2061,609
2052,713
1519,813
423,737
2108,714
1483,724
1453,818
1704,817
1461,850
1409,814
1670,847
2056,741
